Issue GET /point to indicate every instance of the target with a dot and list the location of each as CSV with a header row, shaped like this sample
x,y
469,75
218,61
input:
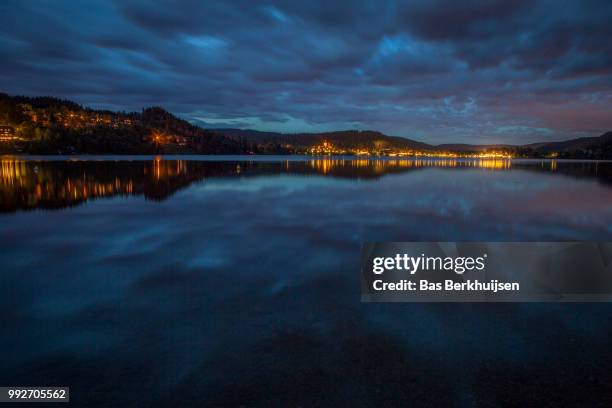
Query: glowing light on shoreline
x,y
327,148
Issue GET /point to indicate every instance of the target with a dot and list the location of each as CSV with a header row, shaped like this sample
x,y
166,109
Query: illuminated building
x,y
7,133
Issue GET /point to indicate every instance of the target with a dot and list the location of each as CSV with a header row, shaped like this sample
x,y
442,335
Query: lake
x,y
234,281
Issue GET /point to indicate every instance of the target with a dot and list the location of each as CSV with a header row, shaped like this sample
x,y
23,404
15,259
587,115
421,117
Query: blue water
x,y
235,282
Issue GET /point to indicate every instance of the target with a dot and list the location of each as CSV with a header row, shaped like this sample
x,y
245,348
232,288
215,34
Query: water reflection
x,y
26,184
235,283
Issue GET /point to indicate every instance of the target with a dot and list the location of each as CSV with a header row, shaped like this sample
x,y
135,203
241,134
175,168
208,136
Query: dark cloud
x,y
442,71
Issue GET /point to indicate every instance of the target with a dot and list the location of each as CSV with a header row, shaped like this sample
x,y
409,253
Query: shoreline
x,y
272,158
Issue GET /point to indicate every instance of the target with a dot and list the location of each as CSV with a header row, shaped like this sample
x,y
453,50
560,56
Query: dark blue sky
x,y
437,71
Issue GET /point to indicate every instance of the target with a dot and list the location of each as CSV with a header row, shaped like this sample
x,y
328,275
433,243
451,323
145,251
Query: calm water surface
x,y
233,281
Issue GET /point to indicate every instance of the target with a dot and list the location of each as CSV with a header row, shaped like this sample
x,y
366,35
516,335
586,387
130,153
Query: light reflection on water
x,y
31,184
237,282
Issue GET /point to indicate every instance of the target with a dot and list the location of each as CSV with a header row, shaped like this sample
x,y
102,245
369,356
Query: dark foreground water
x,y
236,282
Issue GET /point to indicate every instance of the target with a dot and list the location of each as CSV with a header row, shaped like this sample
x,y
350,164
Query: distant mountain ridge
x,y
572,144
600,146
344,139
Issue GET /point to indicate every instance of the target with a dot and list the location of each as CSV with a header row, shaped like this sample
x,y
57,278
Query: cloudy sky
x,y
437,71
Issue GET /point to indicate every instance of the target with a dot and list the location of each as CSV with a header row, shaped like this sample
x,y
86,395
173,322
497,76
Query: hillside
x,y
598,147
344,140
46,125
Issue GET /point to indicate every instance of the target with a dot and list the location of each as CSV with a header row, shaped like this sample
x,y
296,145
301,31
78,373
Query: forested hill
x,y
47,125
344,139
